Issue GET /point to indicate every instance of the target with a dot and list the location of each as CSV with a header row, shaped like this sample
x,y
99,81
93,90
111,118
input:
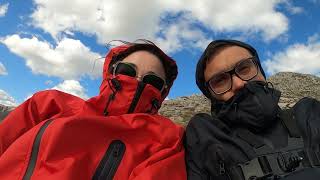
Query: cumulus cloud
x,y
302,58
6,99
130,20
291,8
250,16
72,87
69,59
3,9
181,35
3,70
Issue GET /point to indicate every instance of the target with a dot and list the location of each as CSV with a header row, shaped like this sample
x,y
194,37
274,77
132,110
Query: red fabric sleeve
x,y
41,106
172,167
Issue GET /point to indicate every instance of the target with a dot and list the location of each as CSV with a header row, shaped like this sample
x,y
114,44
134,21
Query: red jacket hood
x,y
149,98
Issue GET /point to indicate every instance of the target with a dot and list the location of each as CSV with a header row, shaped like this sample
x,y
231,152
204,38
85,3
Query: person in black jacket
x,y
247,135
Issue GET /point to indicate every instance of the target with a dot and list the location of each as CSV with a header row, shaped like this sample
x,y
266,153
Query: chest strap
x,y
273,164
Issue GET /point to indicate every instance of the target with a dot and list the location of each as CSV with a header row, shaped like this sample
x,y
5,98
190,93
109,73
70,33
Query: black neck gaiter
x,y
254,107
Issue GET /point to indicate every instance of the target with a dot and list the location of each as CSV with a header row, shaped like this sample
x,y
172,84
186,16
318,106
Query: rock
x,y
4,111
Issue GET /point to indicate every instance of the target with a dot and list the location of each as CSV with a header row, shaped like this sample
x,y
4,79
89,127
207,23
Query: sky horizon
x,y
59,44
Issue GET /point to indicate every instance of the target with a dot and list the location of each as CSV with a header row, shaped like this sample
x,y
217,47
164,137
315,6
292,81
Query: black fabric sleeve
x,y
194,149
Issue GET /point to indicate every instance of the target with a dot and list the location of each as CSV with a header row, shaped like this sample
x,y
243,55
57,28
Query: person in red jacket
x,y
115,135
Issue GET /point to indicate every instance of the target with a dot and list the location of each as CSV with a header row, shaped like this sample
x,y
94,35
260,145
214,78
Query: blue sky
x,y
54,44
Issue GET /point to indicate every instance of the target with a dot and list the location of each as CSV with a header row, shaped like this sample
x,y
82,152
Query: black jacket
x,y
215,151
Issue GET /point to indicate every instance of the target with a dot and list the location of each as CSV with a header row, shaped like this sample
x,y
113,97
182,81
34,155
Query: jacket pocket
x,y
110,161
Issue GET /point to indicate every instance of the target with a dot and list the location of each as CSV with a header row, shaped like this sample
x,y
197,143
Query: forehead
x,y
142,57
225,59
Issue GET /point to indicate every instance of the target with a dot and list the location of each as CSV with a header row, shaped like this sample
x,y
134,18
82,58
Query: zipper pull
x,y
222,170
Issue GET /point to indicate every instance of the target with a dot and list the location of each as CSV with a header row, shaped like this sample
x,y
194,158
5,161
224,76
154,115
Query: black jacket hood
x,y
200,80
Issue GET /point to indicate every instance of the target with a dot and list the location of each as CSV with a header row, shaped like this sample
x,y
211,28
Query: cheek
x,y
223,97
259,77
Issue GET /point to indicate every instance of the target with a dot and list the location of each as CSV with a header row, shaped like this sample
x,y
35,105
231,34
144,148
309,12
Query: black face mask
x,y
254,107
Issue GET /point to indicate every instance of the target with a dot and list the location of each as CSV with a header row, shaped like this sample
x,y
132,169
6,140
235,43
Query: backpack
x,y
214,151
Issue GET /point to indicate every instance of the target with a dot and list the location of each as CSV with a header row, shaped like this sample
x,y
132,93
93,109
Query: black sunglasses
x,y
130,69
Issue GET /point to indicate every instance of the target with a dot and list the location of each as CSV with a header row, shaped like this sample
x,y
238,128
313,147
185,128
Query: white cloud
x,y
130,20
3,9
6,99
291,8
180,35
69,59
72,87
3,70
302,58
237,15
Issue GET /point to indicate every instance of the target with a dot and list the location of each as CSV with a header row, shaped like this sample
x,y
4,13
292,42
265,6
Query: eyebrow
x,y
223,71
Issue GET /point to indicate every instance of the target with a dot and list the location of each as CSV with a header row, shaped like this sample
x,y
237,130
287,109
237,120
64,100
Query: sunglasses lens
x,y
125,69
154,80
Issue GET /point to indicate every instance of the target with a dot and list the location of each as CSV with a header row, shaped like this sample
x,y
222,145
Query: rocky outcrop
x,y
4,111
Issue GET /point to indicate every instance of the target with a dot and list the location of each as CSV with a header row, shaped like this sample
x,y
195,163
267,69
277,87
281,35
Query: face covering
x,y
254,107
131,96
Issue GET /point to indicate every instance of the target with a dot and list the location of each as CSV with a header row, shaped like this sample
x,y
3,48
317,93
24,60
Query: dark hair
x,y
146,45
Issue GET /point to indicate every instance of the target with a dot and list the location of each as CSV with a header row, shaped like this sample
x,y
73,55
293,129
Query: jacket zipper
x,y
110,161
35,151
115,86
136,97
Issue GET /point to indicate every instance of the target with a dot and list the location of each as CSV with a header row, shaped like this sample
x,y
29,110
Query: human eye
x,y
220,79
245,67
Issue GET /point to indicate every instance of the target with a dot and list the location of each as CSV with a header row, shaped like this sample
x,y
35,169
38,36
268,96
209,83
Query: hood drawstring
x,y
155,106
116,86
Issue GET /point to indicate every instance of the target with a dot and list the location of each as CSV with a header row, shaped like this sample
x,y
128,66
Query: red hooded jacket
x,y
115,135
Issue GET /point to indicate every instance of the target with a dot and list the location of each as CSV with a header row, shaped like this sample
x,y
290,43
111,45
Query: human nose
x,y
237,83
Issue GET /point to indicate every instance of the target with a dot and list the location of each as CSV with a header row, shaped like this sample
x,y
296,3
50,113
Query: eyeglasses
x,y
130,69
246,70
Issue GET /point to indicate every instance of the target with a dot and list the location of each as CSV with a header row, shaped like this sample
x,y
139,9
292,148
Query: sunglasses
x,y
130,69
246,70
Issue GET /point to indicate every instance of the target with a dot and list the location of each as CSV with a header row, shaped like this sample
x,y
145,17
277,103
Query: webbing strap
x,y
290,123
314,157
250,138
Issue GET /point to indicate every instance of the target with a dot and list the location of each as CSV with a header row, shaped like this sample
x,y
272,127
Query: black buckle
x,y
288,162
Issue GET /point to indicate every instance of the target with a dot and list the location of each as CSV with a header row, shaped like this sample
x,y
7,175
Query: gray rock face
x,y
293,86
4,111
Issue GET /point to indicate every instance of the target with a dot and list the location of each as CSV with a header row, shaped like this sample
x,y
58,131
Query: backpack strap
x,y
270,163
311,156
290,123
